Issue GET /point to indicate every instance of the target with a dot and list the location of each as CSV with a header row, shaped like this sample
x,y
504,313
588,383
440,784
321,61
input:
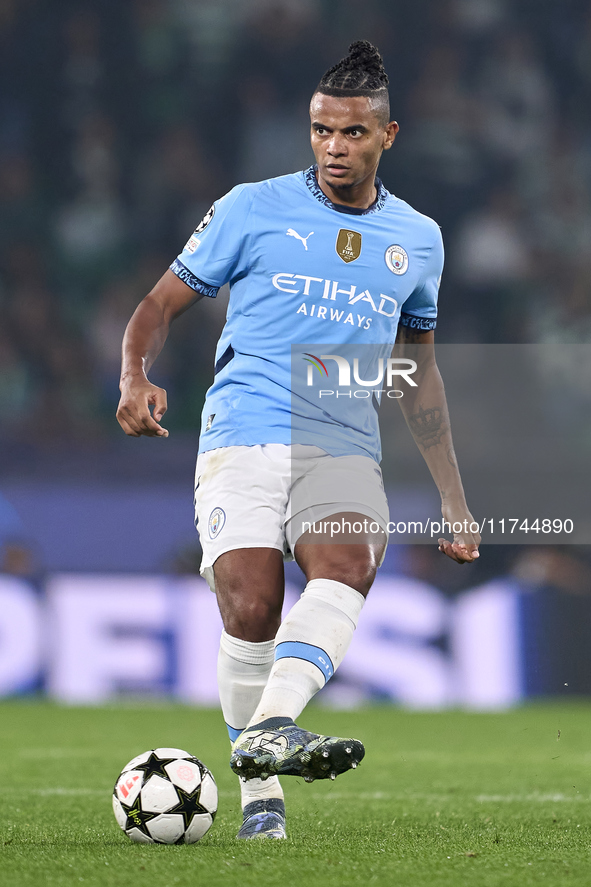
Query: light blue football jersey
x,y
306,276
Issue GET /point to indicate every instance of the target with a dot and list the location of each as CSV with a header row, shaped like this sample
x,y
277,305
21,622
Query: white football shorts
x,y
260,496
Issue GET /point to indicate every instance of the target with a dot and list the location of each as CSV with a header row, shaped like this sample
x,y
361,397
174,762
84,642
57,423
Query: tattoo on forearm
x,y
428,426
451,457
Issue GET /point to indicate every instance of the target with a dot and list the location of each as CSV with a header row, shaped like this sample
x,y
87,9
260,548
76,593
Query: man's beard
x,y
342,186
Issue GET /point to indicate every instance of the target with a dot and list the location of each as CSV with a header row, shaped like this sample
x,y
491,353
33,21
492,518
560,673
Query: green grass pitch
x,y
445,800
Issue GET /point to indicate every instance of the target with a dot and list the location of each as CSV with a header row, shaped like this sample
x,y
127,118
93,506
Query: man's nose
x,y
337,145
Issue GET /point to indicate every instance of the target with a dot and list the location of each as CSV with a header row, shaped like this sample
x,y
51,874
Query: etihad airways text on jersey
x,y
329,289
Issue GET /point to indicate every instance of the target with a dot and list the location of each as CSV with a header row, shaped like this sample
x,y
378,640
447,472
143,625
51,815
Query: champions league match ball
x,y
165,796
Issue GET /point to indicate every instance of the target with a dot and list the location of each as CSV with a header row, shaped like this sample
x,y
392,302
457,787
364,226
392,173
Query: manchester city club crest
x,y
216,521
348,245
397,259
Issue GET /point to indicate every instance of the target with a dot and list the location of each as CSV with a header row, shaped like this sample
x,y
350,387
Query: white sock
x,y
310,645
243,671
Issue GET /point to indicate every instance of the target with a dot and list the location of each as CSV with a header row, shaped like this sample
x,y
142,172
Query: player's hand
x,y
133,413
464,548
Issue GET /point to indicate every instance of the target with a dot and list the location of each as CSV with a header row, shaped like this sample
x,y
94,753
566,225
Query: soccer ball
x,y
165,796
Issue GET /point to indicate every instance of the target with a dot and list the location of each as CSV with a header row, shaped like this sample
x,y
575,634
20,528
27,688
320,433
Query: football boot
x,y
263,819
279,747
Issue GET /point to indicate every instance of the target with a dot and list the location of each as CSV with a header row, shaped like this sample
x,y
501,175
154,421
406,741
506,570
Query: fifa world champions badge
x,y
397,259
348,245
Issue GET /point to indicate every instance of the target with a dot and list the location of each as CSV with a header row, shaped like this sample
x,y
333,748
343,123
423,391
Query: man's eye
x,y
355,133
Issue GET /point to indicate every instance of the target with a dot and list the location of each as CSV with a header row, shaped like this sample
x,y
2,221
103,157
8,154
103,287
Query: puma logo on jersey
x,y
291,233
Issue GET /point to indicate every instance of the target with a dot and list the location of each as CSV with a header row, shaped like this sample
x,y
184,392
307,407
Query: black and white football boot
x,y
278,747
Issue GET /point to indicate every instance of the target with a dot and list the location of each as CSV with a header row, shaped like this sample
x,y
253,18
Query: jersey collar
x,y
378,204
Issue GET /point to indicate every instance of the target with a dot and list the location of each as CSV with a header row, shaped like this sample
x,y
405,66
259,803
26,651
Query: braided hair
x,y
361,72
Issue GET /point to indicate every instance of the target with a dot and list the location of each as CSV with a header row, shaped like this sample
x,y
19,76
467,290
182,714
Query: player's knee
x,y
249,589
355,568
359,574
250,617
252,625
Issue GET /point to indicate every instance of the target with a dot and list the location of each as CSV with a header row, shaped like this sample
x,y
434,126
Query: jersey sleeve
x,y
419,311
216,251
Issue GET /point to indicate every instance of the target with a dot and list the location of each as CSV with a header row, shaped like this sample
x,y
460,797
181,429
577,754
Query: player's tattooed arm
x,y
425,409
424,406
428,426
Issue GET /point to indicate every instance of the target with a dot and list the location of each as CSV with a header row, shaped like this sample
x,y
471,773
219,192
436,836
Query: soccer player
x,y
324,255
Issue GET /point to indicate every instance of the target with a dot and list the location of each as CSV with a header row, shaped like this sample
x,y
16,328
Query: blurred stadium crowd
x,y
121,122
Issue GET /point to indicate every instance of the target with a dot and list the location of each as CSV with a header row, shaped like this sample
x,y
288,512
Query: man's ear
x,y
390,134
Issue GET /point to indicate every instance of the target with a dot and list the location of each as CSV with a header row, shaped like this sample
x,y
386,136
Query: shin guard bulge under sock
x,y
310,645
